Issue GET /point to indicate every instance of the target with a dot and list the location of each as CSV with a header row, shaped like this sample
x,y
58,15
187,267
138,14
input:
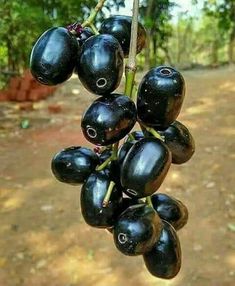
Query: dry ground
x,y
43,238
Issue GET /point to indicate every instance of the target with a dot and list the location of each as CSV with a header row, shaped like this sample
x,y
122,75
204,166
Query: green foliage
x,y
224,12
210,39
23,21
156,16
197,41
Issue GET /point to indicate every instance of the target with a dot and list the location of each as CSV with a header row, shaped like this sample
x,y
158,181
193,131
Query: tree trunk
x,y
232,35
147,52
231,47
214,53
148,49
178,59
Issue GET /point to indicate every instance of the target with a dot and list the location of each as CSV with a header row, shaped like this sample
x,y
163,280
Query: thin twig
x,y
134,34
131,64
152,131
89,21
108,194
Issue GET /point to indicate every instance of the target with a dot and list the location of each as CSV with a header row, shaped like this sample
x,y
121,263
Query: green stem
x,y
130,78
131,137
93,27
105,164
131,64
110,159
93,14
115,150
149,201
152,131
108,194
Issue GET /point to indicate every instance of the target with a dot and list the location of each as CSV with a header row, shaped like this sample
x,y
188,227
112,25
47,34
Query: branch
x,y
131,64
108,194
89,21
134,33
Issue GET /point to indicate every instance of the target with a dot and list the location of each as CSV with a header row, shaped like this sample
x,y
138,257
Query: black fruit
x,y
180,142
53,57
136,230
108,119
92,197
123,150
164,260
170,210
127,202
73,165
84,35
100,64
160,97
145,167
120,27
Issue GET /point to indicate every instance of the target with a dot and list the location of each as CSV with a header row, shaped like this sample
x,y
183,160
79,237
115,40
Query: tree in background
x,y
156,17
22,21
197,41
224,11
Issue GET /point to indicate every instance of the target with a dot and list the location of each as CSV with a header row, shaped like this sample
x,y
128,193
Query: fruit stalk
x,y
93,27
108,194
110,159
149,201
131,64
152,131
95,11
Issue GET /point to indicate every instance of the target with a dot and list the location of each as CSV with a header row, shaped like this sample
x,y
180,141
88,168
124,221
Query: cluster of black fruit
x,y
116,184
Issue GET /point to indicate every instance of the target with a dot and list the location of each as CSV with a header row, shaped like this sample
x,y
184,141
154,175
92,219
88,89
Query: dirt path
x,y
43,239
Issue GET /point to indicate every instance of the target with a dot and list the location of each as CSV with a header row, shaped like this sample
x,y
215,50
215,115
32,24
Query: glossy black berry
x,y
53,57
120,27
164,260
123,150
170,210
74,164
180,142
160,97
92,196
85,34
108,119
100,64
145,167
128,202
136,230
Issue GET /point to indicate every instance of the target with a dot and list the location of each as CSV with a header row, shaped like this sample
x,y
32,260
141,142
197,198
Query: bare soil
x,y
43,238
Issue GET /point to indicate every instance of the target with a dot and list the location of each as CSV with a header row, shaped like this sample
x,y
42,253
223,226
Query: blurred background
x,y
43,238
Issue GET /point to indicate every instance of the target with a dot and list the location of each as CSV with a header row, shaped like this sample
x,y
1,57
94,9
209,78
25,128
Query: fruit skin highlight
x,y
145,167
120,27
120,178
136,230
84,35
109,119
53,56
164,260
160,97
170,209
74,164
100,64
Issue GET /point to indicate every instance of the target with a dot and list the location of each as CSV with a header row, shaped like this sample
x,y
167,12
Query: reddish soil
x,y
43,238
